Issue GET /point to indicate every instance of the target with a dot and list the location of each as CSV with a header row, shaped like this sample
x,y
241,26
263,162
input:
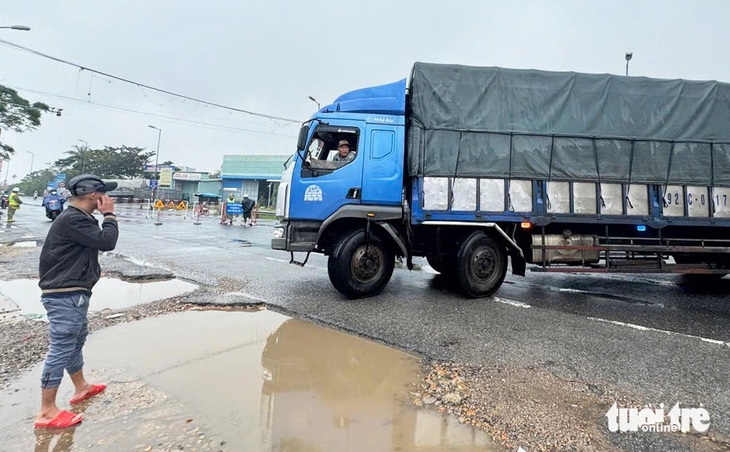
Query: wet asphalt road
x,y
647,335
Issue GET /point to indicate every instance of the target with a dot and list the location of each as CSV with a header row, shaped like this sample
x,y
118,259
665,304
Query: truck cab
x,y
322,194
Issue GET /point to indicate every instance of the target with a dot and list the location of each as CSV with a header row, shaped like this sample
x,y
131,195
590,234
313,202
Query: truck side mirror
x,y
302,140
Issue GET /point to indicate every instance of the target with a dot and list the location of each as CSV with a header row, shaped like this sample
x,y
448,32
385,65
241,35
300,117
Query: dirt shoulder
x,y
539,409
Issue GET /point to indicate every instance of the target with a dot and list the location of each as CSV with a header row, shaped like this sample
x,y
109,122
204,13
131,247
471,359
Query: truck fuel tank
x,y
564,256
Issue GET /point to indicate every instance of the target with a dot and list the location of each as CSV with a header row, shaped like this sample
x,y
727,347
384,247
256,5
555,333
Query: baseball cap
x,y
245,196
342,142
89,183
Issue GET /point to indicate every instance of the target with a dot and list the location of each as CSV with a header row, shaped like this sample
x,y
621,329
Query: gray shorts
x,y
68,328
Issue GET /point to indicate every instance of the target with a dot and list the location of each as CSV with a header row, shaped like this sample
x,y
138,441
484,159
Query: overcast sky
x,y
270,56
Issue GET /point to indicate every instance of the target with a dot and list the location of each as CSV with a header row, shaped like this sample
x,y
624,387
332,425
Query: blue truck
x,y
478,169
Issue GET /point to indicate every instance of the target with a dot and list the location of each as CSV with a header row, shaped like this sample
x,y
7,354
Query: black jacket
x,y
70,255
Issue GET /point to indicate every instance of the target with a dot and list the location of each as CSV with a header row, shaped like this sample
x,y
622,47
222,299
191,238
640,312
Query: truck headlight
x,y
278,232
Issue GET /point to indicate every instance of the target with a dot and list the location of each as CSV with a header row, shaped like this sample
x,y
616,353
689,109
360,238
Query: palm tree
x,y
78,154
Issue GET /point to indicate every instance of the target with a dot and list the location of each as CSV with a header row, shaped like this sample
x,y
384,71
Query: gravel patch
x,y
537,408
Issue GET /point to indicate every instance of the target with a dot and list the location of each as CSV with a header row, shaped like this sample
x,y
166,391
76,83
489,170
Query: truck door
x,y
382,181
322,183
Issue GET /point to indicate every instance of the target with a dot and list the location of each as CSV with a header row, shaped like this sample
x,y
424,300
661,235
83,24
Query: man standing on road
x,y
69,269
14,203
247,204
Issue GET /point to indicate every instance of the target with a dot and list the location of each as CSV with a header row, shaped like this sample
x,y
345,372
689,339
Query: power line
x,y
84,68
194,123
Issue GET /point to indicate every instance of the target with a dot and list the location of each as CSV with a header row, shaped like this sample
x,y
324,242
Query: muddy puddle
x,y
239,381
109,293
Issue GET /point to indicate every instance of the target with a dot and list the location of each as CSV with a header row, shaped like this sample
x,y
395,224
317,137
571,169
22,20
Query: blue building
x,y
255,175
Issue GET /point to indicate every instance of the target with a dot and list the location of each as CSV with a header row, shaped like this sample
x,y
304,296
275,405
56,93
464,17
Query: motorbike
x,y
5,202
54,207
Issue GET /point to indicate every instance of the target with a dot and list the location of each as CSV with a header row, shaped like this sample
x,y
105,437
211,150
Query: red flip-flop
x,y
65,419
95,389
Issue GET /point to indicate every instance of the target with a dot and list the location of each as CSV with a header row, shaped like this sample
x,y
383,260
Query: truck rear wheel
x,y
360,267
481,265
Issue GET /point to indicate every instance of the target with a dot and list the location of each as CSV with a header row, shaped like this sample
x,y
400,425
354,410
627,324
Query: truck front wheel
x,y
360,266
482,265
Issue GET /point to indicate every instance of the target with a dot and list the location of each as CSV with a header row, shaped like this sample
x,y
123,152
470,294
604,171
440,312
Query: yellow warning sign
x,y
170,205
159,204
182,206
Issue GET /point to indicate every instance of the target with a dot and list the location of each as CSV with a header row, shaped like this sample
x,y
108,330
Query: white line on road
x,y
518,304
309,266
671,333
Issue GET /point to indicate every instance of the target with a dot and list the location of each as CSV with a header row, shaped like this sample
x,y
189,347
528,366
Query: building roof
x,y
253,166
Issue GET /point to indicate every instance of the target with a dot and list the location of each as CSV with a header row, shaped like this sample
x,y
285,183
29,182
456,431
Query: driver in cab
x,y
343,152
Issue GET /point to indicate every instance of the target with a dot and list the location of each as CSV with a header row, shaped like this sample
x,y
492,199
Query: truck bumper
x,y
297,236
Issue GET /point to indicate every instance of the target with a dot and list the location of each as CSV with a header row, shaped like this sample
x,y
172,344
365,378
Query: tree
x,y
37,180
17,115
123,162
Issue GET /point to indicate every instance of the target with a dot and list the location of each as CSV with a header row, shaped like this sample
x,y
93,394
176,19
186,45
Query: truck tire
x,y
359,267
481,265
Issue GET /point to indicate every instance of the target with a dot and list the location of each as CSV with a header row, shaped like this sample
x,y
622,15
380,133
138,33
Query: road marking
x,y
570,290
518,304
671,333
277,260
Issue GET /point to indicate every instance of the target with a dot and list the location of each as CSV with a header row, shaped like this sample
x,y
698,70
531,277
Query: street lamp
x,y
17,27
86,149
157,159
628,58
32,157
315,101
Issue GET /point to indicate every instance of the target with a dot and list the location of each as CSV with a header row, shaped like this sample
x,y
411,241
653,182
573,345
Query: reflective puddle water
x,y
241,382
108,293
23,244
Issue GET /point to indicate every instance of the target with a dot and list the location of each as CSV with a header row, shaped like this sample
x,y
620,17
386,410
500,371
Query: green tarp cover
x,y
530,124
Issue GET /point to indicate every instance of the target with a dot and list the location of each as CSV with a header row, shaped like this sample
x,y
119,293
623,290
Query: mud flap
x,y
393,233
519,265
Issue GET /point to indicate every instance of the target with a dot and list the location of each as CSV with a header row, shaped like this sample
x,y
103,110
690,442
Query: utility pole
x,y
157,159
86,150
32,157
628,58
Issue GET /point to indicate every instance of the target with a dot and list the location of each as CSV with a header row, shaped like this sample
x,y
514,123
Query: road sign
x,y
182,206
159,204
153,184
165,177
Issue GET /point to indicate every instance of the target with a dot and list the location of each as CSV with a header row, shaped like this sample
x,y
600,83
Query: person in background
x,y
254,214
14,203
52,196
224,214
69,269
248,204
